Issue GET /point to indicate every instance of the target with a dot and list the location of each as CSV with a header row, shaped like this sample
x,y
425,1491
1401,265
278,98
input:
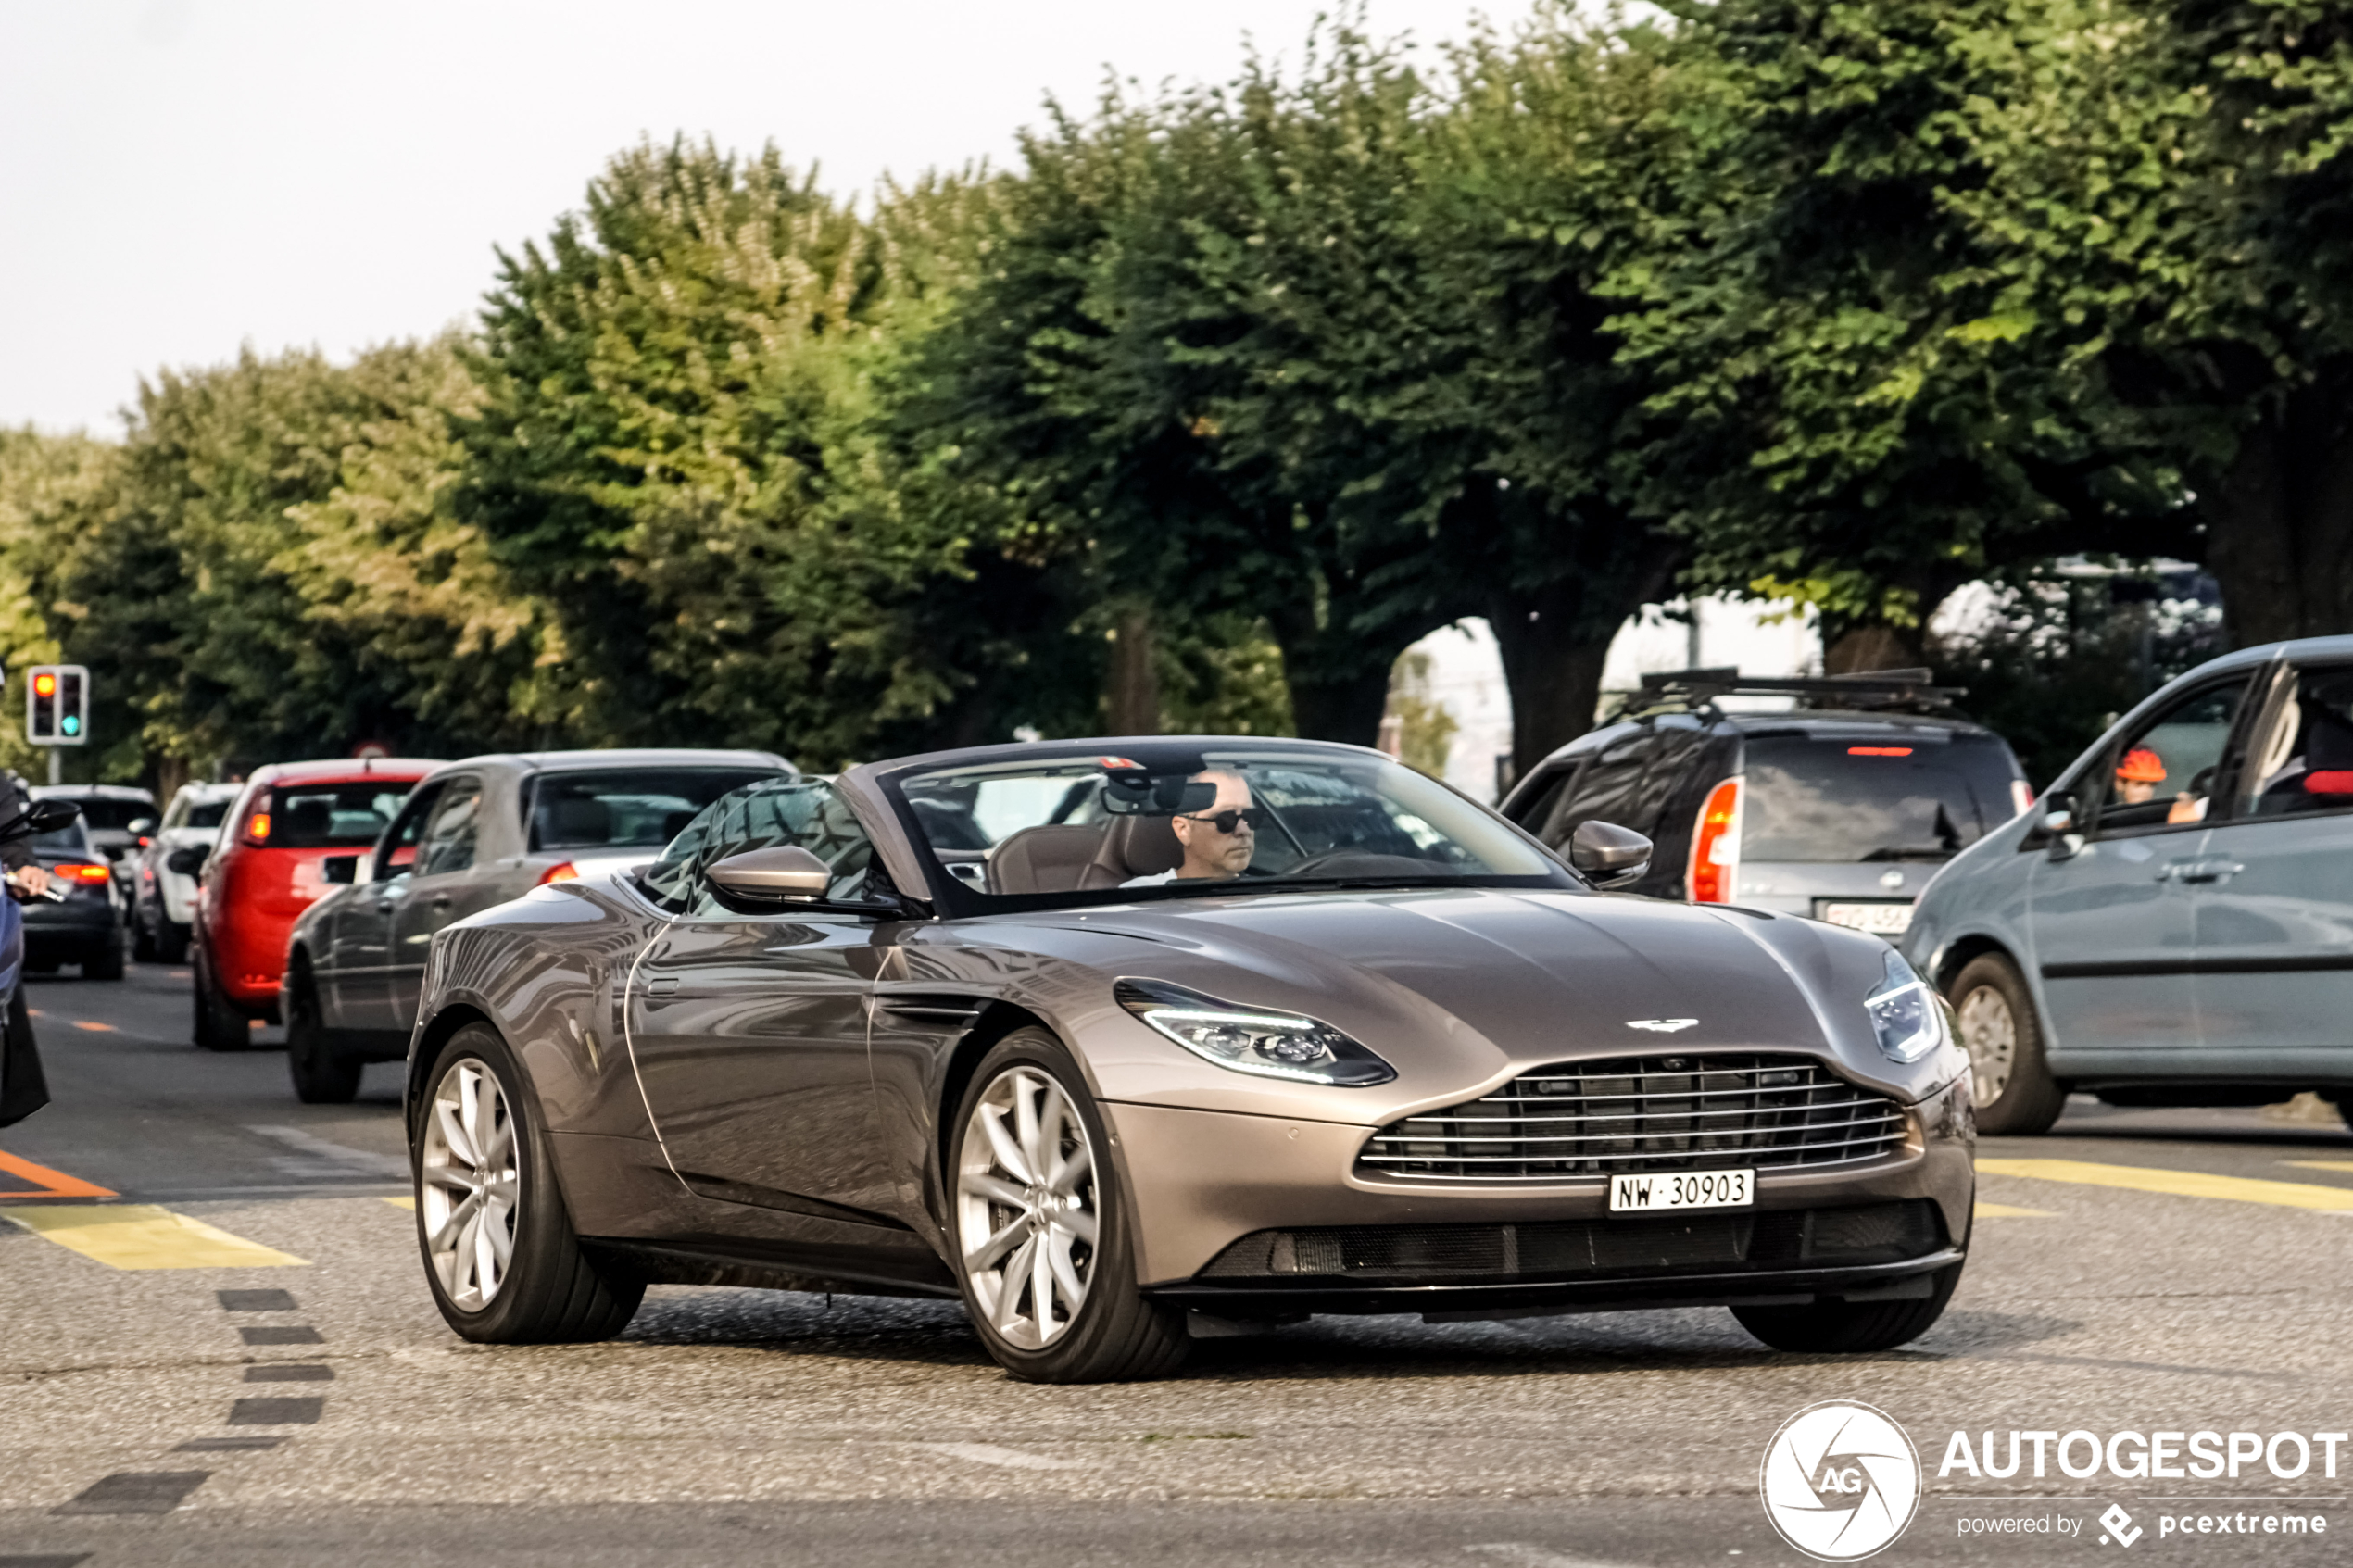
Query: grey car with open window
x,y
2173,923
472,835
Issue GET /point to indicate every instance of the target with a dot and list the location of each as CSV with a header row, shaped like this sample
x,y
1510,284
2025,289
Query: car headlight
x,y
1272,1045
1907,1014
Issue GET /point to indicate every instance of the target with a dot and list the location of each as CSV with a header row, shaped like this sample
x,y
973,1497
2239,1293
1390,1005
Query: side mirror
x,y
48,816
188,861
2058,821
339,869
1608,855
783,872
141,827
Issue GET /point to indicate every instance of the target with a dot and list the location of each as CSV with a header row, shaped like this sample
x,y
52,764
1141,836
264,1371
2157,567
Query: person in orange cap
x,y
2138,775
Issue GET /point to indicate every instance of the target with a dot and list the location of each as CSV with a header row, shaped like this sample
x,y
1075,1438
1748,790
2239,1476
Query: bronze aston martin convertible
x,y
1131,1042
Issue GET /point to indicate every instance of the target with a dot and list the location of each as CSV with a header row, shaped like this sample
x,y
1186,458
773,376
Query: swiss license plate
x,y
1684,1189
1880,920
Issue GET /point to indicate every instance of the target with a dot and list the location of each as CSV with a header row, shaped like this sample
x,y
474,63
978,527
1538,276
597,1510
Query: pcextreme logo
x,y
1840,1480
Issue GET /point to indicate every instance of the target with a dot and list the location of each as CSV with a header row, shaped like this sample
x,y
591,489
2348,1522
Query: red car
x,y
270,863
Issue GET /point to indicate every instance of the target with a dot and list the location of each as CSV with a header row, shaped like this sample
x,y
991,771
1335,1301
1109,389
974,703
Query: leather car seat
x,y
2328,756
1134,847
1047,858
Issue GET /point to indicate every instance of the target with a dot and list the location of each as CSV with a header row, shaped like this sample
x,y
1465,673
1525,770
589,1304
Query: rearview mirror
x,y
783,872
2058,821
141,827
188,861
1609,855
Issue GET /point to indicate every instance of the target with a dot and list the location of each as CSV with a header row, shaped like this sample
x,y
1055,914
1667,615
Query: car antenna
x,y
1684,691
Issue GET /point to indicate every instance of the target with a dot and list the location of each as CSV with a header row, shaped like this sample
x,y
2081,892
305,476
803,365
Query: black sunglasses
x,y
1225,821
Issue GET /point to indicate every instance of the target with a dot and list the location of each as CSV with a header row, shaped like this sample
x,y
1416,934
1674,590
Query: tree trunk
x,y
1555,639
1131,686
2280,524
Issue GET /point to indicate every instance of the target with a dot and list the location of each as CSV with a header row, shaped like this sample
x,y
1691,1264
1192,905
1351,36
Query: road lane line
x,y
2321,1164
94,1028
1002,1457
2009,1211
48,1182
2176,1184
408,1203
141,1235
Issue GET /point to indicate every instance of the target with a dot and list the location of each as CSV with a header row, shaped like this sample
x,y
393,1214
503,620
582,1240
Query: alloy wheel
x,y
1026,1208
469,1184
1989,1032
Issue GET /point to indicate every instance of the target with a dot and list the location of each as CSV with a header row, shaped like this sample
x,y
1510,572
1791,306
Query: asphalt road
x,y
2153,1271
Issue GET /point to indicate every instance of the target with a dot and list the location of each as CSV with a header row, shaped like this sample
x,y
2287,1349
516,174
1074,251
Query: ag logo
x,y
1661,1025
1840,1481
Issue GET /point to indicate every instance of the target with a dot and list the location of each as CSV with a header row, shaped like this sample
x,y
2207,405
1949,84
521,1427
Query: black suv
x,y
1839,809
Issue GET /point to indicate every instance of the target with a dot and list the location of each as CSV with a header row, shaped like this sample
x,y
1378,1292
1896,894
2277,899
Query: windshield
x,y
328,816
635,808
1226,819
1917,795
99,812
206,813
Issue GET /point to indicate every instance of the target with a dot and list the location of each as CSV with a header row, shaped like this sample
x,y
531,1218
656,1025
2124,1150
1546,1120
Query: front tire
x,y
2010,1079
216,1026
320,1077
1851,1328
1043,1249
500,1252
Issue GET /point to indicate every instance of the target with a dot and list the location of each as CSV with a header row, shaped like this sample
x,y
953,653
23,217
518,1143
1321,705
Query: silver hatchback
x,y
2173,923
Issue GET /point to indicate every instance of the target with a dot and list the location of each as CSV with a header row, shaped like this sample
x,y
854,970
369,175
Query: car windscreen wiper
x,y
1910,852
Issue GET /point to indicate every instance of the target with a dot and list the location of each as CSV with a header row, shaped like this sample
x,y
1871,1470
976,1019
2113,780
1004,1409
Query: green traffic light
x,y
70,725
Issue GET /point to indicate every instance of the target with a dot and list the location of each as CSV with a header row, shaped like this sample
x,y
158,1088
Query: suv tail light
x,y
89,876
258,829
562,871
1716,846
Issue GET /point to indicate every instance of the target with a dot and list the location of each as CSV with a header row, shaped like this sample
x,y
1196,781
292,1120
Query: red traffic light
x,y
44,685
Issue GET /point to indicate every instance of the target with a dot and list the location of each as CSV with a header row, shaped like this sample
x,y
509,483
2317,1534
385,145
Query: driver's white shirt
x,y
1153,881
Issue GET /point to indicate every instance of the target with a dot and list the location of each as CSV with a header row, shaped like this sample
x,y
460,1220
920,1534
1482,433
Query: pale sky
x,y
194,174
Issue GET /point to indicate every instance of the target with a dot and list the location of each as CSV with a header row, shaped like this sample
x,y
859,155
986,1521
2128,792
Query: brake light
x,y
88,875
1716,846
562,871
1879,751
258,828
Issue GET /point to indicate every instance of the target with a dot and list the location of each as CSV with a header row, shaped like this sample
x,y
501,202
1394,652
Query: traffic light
x,y
57,705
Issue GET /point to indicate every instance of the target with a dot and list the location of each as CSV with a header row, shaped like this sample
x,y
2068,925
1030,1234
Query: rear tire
x,y
2010,1079
1851,1328
106,961
500,1256
218,1026
1069,1212
320,1077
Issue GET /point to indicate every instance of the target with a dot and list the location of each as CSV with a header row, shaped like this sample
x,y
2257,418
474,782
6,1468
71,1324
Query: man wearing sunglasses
x,y
1218,841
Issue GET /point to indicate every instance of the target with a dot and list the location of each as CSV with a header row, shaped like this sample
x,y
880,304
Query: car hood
x,y
1496,981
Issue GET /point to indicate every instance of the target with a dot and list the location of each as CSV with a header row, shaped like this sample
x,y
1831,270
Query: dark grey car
x,y
472,835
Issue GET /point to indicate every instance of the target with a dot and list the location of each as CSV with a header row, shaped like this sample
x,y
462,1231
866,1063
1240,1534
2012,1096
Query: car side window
x,y
2301,761
399,850
1610,786
805,813
2164,772
1536,810
452,826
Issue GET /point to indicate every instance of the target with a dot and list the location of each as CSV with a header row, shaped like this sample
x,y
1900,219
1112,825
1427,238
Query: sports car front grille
x,y
1637,1113
1727,1242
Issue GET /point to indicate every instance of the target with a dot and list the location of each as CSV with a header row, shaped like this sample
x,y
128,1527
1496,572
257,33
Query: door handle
x,y
2211,870
662,986
441,900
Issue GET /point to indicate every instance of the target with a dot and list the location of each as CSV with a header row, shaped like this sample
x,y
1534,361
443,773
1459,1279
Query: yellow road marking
x,y
141,1235
2006,1212
408,1203
2177,1184
2321,1164
94,1028
47,1182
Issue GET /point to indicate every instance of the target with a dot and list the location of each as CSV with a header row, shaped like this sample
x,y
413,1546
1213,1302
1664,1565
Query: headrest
x,y
309,816
2330,745
1134,847
1049,859
580,818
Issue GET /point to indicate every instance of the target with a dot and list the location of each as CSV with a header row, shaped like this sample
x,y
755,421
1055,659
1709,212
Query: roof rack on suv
x,y
1681,690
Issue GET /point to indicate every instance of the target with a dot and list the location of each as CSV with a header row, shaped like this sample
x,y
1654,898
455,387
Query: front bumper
x,y
1200,1182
